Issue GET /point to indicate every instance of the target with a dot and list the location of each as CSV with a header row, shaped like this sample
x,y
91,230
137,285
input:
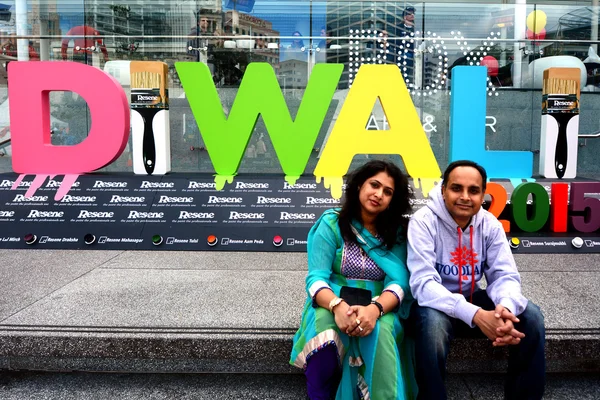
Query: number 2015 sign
x,y
560,208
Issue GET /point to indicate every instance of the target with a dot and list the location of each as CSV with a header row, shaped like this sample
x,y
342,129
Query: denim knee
x,y
532,321
433,327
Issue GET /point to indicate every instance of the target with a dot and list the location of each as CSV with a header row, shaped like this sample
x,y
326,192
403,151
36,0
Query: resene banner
x,y
188,213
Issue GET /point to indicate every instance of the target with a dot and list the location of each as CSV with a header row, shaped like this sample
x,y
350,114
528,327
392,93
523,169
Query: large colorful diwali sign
x,y
227,136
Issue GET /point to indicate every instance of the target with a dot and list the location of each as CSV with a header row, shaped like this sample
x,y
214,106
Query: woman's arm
x,y
322,248
368,315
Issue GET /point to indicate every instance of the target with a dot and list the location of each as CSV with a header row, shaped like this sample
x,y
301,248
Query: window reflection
x,y
426,40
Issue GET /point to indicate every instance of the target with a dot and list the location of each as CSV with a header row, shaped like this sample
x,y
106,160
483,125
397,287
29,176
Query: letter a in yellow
x,y
405,135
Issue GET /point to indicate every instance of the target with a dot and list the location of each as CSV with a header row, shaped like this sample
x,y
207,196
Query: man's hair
x,y
203,12
387,222
466,163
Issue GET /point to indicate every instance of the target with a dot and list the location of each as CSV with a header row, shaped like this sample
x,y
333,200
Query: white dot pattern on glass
x,y
356,264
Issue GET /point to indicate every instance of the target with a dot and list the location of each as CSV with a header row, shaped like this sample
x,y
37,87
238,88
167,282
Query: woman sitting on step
x,y
351,341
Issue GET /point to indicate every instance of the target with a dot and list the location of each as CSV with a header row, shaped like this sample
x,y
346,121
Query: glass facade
x,y
517,40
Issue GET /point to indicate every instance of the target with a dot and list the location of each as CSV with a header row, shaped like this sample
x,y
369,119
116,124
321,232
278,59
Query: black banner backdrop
x,y
178,212
186,212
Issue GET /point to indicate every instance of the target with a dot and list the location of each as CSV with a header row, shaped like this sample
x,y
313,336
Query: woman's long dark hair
x,y
387,222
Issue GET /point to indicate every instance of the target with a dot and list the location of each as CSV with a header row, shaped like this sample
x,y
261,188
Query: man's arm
x,y
425,281
65,45
504,281
100,42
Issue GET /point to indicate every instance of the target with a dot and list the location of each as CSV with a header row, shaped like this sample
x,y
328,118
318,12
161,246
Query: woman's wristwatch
x,y
379,306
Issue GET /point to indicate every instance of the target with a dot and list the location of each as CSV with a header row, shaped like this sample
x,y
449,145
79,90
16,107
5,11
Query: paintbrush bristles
x,y
145,80
559,86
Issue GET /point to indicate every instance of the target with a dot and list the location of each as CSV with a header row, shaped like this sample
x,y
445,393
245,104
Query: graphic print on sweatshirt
x,y
461,257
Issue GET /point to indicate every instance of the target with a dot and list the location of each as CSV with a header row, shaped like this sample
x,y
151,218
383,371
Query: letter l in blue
x,y
467,128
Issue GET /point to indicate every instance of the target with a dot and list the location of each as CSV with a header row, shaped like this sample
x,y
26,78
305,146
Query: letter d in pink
x,y
32,152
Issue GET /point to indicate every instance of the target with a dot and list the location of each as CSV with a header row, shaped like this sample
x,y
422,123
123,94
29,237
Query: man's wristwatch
x,y
379,306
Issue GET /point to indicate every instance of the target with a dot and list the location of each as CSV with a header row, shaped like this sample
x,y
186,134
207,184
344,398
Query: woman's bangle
x,y
334,302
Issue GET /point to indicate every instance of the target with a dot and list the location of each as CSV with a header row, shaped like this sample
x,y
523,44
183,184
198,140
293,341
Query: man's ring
x,y
360,328
357,321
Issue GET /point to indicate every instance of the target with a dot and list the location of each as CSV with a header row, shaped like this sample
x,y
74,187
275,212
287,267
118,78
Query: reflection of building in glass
x,y
181,17
293,74
128,22
430,67
45,14
383,17
259,33
577,24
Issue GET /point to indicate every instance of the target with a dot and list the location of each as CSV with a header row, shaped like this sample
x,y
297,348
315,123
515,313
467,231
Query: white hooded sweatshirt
x,y
441,254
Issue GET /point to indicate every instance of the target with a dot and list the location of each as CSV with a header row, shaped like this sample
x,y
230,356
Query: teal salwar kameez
x,y
377,366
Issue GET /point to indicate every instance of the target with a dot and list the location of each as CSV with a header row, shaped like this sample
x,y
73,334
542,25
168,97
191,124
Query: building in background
x,y
367,26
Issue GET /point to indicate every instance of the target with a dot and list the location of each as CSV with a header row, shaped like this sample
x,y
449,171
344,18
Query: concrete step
x,y
139,311
92,386
237,351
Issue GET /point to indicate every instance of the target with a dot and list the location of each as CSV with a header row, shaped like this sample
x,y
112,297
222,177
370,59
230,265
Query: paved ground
x,y
153,289
67,386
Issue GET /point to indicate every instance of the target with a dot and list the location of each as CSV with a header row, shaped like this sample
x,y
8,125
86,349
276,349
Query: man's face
x,y
203,23
463,194
409,16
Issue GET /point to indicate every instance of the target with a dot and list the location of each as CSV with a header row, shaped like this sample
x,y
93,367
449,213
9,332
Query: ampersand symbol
x,y
428,126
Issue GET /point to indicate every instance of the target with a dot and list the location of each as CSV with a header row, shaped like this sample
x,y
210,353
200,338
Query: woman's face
x,y
376,193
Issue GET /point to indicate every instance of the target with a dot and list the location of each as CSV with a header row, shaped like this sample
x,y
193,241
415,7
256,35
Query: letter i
x,y
559,205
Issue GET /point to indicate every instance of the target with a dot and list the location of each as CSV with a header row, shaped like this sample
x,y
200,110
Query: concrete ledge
x,y
206,312
238,351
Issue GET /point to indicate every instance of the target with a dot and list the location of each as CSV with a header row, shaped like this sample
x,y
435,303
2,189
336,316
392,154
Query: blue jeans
x,y
433,331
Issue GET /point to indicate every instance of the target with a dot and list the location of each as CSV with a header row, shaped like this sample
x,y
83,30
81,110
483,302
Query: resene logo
x,y
224,200
273,200
202,185
321,200
238,215
287,186
110,185
246,185
146,98
195,215
55,184
94,214
145,215
78,199
296,216
45,214
7,214
126,199
8,183
33,199
563,103
167,199
157,185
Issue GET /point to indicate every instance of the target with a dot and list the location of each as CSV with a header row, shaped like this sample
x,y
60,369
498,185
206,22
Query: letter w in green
x,y
259,95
